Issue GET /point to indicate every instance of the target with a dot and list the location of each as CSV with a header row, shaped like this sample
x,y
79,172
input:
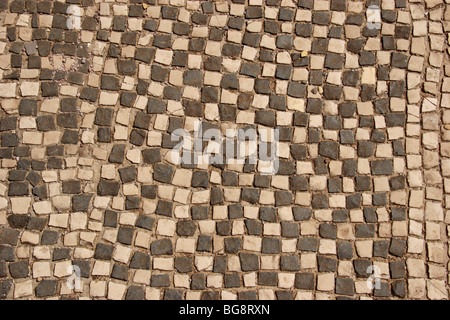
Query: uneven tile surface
x,y
94,95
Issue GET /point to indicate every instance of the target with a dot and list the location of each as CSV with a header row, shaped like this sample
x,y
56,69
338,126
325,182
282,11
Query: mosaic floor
x,y
99,97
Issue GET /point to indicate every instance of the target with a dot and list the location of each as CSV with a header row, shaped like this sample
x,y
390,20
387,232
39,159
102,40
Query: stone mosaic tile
x,y
96,94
